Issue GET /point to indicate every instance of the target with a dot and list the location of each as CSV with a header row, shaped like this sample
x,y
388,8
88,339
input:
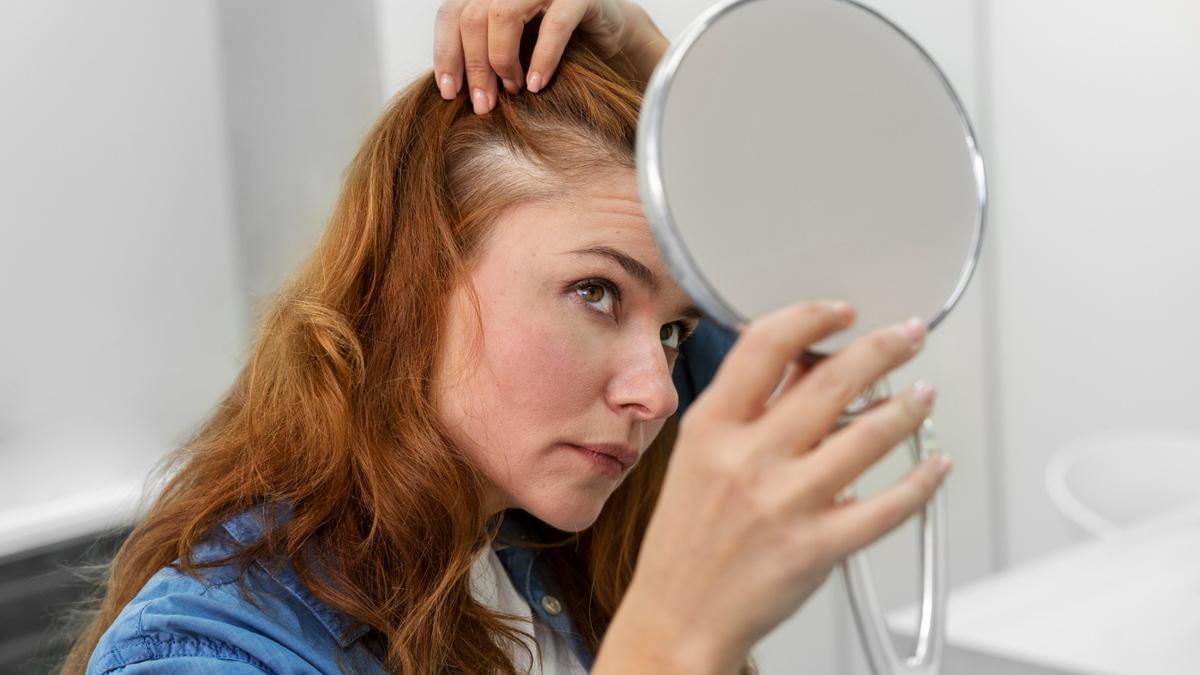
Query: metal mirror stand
x,y
856,572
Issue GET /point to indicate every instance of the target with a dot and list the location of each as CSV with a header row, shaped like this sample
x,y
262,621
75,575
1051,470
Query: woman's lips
x,y
624,454
605,464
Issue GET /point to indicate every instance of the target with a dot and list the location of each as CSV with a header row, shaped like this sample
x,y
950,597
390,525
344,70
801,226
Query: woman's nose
x,y
642,384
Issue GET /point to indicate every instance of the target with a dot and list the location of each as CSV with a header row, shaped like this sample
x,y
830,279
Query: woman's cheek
x,y
566,353
546,361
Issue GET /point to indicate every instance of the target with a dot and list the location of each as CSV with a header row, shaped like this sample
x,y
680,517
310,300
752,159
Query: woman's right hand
x,y
482,39
748,525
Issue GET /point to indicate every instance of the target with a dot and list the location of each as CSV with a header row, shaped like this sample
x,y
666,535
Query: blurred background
x,y
164,165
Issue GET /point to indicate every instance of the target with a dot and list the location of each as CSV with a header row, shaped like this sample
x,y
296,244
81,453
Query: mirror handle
x,y
856,575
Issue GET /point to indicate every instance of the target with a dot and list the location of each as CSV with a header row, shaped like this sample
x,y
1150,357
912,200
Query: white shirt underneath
x,y
492,587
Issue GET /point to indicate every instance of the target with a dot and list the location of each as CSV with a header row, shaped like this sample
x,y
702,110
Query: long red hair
x,y
332,413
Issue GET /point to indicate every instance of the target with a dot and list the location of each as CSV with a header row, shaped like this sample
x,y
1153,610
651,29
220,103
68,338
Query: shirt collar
x,y
247,527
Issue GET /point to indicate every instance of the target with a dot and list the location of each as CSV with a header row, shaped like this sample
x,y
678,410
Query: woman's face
x,y
576,350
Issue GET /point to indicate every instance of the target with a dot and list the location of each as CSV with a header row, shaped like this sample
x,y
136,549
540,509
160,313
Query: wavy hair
x,y
332,414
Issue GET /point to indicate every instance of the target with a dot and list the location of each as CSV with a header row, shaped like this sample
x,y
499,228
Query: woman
x,y
448,450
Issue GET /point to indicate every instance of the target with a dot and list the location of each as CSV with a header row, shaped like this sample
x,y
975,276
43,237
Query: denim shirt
x,y
180,624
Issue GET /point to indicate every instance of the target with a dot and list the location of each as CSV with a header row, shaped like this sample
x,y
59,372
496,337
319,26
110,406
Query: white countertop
x,y
1128,604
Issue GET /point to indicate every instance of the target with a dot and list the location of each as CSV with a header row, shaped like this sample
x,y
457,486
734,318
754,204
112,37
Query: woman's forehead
x,y
606,212
603,224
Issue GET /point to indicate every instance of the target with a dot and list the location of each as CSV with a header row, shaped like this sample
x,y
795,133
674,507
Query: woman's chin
x,y
569,517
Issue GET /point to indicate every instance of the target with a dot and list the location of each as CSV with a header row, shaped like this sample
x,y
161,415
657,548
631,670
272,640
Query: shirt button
x,y
551,604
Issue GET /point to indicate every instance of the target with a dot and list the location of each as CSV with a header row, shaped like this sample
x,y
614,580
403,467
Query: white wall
x,y
118,280
1095,141
820,638
162,167
301,89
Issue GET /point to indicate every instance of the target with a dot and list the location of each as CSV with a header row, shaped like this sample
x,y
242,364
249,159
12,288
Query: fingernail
x,y
510,86
480,100
446,85
913,330
923,391
940,464
534,82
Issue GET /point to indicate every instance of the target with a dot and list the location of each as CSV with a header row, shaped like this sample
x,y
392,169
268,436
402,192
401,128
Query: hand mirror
x,y
810,149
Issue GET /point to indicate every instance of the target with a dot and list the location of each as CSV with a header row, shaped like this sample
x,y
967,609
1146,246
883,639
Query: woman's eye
x,y
593,292
671,335
677,333
601,294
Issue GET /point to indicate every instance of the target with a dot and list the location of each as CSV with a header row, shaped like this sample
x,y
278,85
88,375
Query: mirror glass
x,y
807,149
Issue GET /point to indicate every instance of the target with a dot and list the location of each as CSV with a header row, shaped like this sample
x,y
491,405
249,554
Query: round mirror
x,y
796,150
808,149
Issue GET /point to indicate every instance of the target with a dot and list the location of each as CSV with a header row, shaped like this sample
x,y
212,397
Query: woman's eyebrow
x,y
644,275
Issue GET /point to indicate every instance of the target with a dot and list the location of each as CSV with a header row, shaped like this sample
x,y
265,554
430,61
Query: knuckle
x,y
505,10
912,409
893,512
557,23
501,61
765,338
445,53
725,467
813,317
833,382
928,484
807,490
910,497
822,313
474,17
449,11
477,80
876,431
729,485
883,341
478,73
763,507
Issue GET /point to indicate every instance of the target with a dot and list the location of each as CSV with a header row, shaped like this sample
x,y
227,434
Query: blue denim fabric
x,y
178,624
534,584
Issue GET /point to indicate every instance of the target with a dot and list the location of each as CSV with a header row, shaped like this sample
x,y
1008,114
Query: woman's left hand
x,y
483,37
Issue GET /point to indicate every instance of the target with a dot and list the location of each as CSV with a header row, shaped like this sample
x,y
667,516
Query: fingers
x,y
481,79
846,454
792,373
506,23
753,368
854,525
481,39
557,26
447,49
803,415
